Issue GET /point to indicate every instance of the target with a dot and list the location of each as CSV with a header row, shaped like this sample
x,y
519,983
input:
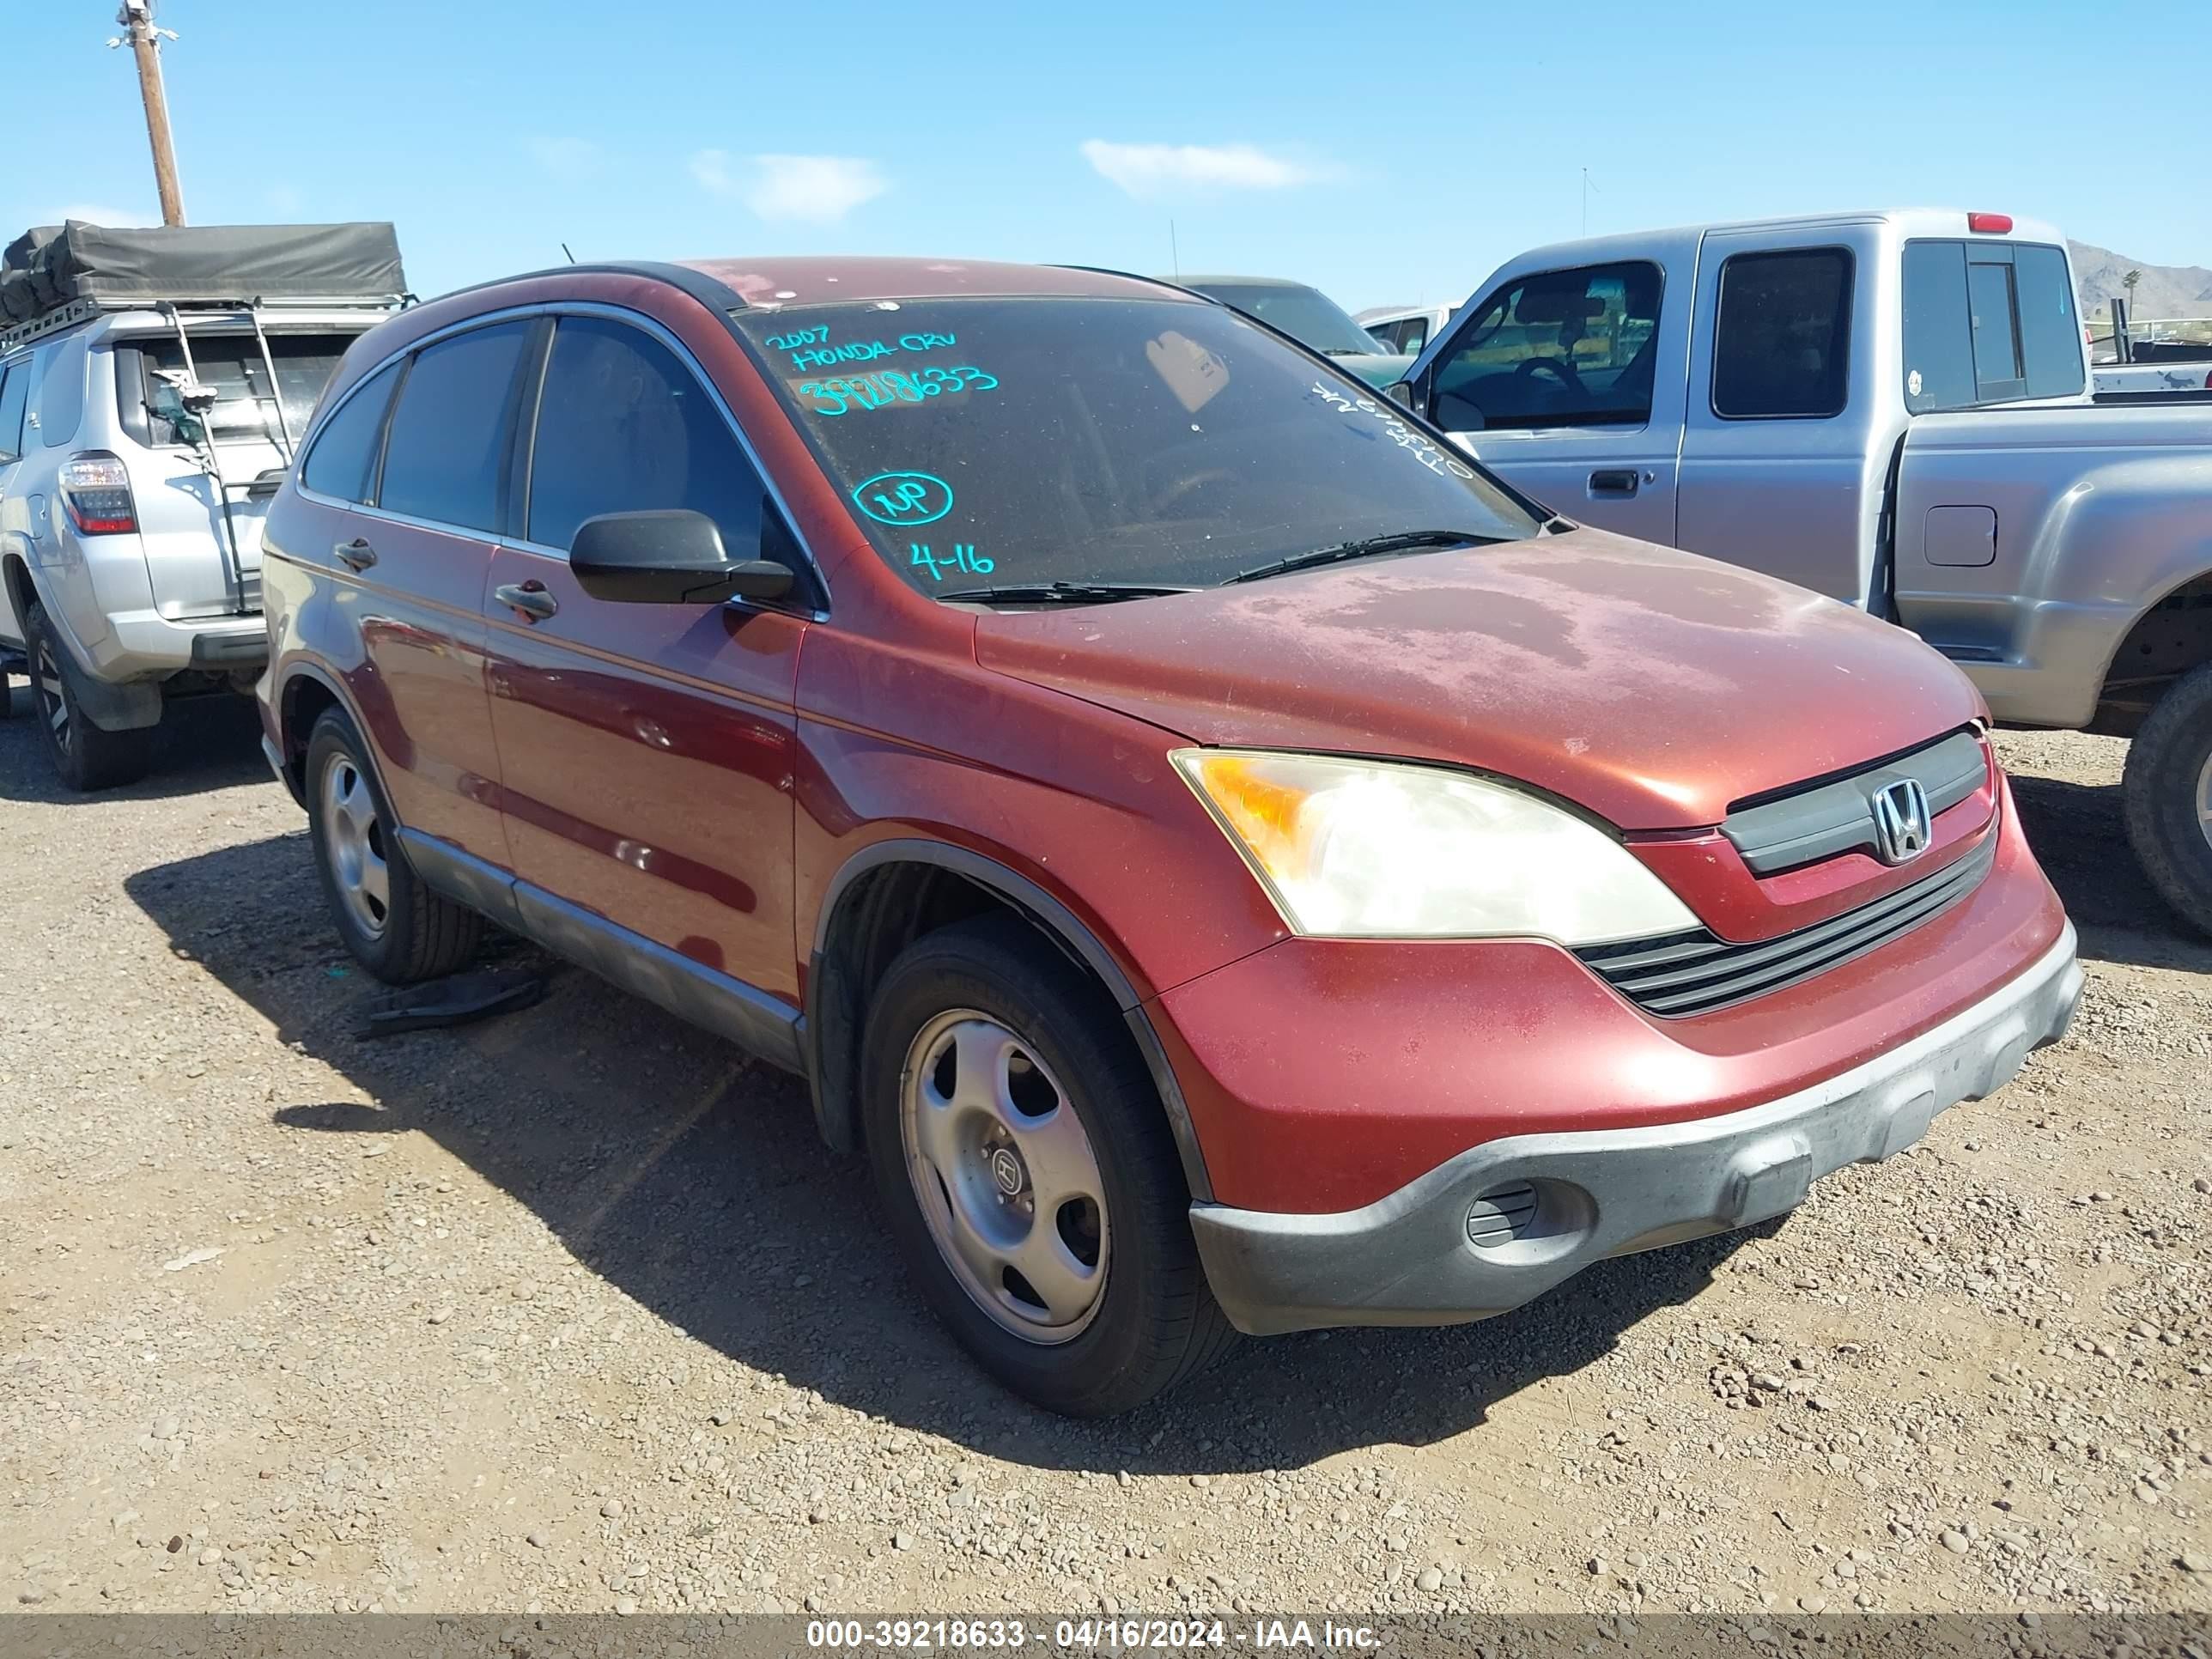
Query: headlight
x,y
1368,849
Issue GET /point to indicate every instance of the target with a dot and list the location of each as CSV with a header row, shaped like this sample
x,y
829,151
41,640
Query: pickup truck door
x,y
1786,450
1569,385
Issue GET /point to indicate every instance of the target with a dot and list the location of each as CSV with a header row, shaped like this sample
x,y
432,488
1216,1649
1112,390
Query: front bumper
x,y
1562,1202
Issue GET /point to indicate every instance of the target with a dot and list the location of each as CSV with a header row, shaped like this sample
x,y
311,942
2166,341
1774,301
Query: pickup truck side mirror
x,y
667,557
1399,392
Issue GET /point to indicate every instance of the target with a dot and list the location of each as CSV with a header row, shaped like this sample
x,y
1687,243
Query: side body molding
x,y
728,1007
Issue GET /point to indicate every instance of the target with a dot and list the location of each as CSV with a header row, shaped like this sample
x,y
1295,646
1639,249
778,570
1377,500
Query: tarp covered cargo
x,y
43,270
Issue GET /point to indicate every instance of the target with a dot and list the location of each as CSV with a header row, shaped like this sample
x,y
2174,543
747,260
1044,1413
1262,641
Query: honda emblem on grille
x,y
1901,828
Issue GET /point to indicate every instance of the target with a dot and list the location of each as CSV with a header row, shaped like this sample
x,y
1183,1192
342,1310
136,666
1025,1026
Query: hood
x,y
1376,369
1651,687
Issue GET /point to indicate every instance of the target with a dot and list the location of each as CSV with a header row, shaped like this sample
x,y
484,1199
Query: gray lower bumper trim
x,y
1409,1258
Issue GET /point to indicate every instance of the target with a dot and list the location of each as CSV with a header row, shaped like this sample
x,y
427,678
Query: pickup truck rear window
x,y
1782,349
1988,322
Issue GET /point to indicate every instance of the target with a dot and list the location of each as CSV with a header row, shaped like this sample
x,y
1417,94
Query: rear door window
x,y
342,462
623,425
1782,344
1563,348
446,458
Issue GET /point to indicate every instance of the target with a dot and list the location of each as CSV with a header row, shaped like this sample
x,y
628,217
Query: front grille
x,y
1838,816
1697,972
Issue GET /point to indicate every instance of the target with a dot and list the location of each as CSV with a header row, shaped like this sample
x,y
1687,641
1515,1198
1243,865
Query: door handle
x,y
355,555
1613,481
529,598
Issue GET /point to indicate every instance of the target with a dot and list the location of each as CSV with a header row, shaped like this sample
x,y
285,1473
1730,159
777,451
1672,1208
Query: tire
x,y
2168,794
394,925
86,757
1112,1330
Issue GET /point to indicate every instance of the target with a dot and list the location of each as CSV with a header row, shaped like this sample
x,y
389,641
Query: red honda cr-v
x,y
1228,860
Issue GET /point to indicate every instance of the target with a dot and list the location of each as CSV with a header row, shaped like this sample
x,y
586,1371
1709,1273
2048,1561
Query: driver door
x,y
1569,385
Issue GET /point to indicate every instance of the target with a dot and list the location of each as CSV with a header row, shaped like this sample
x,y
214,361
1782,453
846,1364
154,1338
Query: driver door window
x,y
1562,348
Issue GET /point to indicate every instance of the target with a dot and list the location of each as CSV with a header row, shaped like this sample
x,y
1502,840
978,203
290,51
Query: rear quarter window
x,y
342,462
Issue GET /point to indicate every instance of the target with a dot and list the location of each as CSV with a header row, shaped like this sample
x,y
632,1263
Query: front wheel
x,y
2169,797
1029,1175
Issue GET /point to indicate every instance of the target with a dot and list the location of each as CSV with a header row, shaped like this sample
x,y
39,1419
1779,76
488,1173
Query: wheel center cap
x,y
1006,1171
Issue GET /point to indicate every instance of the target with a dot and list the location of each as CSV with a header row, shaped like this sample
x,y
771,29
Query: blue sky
x,y
1387,154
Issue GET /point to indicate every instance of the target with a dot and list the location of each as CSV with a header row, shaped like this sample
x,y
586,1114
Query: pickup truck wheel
x,y
2169,797
394,925
1028,1173
86,757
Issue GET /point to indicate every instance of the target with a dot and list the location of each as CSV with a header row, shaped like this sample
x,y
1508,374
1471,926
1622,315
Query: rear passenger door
x,y
407,482
1782,467
1568,383
646,750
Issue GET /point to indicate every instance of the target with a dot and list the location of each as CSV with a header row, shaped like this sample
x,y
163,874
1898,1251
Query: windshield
x,y
1033,440
1304,313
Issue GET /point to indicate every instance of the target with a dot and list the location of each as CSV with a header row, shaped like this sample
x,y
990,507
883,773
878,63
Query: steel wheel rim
x,y
52,703
1006,1176
2204,800
353,844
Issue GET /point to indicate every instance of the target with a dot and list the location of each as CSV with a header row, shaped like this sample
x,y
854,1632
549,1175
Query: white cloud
x,y
564,157
99,213
1150,171
813,188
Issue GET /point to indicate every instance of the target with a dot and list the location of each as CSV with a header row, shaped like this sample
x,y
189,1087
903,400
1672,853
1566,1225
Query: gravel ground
x,y
570,1311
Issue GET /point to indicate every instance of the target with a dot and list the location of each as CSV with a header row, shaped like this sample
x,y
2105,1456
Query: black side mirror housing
x,y
669,556
1399,392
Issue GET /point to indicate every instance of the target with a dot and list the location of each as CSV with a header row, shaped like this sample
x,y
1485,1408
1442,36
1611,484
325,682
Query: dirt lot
x,y
570,1312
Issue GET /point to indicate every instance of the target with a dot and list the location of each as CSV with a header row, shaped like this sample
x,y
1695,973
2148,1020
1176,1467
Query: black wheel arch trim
x,y
833,1087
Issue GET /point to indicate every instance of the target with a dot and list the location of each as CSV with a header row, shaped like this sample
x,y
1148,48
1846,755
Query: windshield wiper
x,y
1402,541
1063,593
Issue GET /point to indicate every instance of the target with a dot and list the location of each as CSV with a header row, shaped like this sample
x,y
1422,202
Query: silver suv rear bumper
x,y
1559,1202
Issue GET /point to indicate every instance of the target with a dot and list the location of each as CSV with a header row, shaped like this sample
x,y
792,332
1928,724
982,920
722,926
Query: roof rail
x,y
78,311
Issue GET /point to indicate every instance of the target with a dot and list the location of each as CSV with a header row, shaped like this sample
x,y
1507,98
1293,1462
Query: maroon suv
x,y
1229,861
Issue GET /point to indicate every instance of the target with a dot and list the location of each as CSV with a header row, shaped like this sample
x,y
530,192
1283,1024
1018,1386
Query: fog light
x,y
1530,1220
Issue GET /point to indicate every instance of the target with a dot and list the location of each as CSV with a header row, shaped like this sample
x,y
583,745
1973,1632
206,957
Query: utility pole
x,y
137,18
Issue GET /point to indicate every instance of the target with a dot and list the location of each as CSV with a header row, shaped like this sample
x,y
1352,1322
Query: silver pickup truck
x,y
1892,409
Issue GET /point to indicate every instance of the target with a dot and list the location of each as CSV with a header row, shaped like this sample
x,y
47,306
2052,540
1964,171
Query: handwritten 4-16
x,y
963,556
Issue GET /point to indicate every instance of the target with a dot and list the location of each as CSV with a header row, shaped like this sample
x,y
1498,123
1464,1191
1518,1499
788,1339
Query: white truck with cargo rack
x,y
153,384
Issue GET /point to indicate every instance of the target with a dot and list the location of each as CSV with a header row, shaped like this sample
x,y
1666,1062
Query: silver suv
x,y
140,444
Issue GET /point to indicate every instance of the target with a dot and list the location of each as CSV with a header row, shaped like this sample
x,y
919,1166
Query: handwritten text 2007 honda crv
x,y
1229,861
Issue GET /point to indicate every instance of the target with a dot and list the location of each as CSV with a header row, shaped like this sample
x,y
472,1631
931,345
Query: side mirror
x,y
1399,392
667,557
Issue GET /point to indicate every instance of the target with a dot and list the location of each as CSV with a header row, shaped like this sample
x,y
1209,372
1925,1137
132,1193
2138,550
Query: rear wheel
x,y
1029,1175
2169,797
394,925
86,757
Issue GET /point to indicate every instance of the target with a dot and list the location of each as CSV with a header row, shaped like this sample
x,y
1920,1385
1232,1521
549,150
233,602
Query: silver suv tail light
x,y
95,492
